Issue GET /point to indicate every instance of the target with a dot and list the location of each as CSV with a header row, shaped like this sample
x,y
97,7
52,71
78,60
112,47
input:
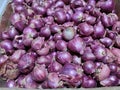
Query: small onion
x,y
64,57
37,43
3,59
113,67
54,67
106,41
39,73
26,63
61,45
76,45
11,84
89,67
76,60
116,26
43,51
85,29
55,28
68,33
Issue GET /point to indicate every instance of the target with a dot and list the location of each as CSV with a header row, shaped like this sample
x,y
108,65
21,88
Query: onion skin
x,y
76,45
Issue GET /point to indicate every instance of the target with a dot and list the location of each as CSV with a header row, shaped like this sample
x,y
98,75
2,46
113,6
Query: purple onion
x,y
55,28
39,73
76,45
64,57
37,43
6,45
104,72
106,41
18,42
43,51
59,4
112,34
110,81
116,26
99,30
30,32
12,32
113,67
26,82
88,55
76,60
36,23
90,19
99,52
19,8
78,17
68,33
61,45
57,36
3,59
43,60
51,45
54,81
106,6
45,32
26,63
115,51
60,16
11,84
88,40
49,20
54,67
39,10
85,29
89,67
15,57
88,82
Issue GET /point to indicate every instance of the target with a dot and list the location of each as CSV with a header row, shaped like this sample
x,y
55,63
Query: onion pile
x,y
61,44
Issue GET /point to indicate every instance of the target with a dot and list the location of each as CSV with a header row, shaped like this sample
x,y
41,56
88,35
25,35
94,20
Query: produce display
x,y
61,44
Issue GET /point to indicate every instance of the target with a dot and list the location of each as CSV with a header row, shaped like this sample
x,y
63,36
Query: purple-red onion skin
x,y
61,45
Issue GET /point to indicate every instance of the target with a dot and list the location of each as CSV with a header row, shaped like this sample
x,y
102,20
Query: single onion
x,y
59,4
43,60
37,43
113,67
61,45
12,32
89,67
39,73
7,46
68,33
45,32
88,82
55,28
116,26
11,84
43,51
15,57
85,29
54,67
64,57
26,63
60,16
76,60
76,45
19,8
99,30
57,36
106,41
4,35
88,55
